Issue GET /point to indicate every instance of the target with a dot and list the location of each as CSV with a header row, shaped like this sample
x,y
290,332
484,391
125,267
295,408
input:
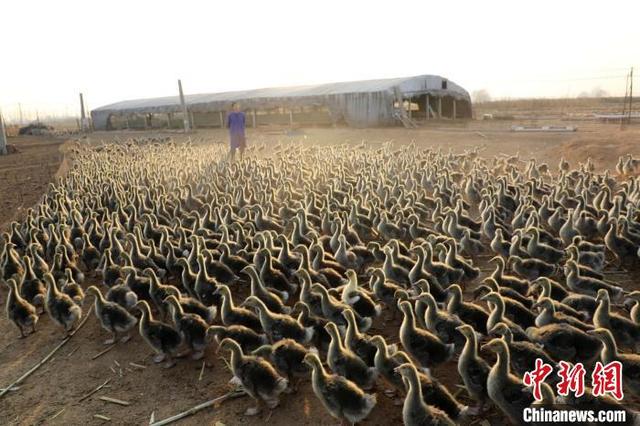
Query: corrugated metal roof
x,y
406,86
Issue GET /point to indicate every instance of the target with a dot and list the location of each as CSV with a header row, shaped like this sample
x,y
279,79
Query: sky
x,y
117,50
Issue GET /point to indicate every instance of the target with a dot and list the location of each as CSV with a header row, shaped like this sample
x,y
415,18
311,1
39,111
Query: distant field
x,y
567,108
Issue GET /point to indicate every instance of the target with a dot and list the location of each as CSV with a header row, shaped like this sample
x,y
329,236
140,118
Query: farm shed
x,y
367,103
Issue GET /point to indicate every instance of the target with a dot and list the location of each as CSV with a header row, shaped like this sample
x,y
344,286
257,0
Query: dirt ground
x,y
52,394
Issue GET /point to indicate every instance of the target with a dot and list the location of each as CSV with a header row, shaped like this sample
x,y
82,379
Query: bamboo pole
x,y
233,394
46,358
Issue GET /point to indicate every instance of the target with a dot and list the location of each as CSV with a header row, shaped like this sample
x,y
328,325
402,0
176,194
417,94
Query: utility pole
x,y
3,137
83,117
20,113
630,93
185,113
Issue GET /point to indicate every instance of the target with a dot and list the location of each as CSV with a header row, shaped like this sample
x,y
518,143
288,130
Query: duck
x,y
566,342
321,338
630,362
358,298
332,309
625,331
279,326
121,294
502,279
382,289
498,315
19,311
548,315
587,285
540,250
270,298
287,356
532,268
71,288
523,354
423,345
359,343
508,294
472,368
60,307
255,376
415,412
31,286
343,361
506,390
161,337
192,327
342,398
441,323
248,339
469,313
230,314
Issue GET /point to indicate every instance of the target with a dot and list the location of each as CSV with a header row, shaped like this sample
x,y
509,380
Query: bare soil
x,y
51,395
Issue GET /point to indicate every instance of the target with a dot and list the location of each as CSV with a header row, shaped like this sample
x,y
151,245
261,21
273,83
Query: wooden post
x,y
439,106
453,115
185,113
127,121
168,120
426,106
290,117
255,119
409,103
222,125
3,137
192,120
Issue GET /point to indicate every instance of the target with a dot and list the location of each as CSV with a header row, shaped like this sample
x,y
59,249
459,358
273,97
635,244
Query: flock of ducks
x,y
301,262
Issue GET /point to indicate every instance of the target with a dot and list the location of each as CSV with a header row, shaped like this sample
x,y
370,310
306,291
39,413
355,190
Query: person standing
x,y
236,125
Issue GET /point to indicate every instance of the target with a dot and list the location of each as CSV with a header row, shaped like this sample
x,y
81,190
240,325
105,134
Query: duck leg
x,y
197,355
22,335
170,362
159,357
33,327
125,339
112,340
252,411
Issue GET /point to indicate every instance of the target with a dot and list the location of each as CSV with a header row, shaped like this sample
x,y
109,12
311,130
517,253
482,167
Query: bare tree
x,y
480,96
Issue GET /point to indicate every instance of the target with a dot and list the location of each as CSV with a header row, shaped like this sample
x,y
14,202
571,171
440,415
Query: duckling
x,y
540,250
506,390
358,342
192,328
71,288
565,342
443,273
234,262
230,314
248,339
523,354
158,291
393,271
469,313
279,326
472,368
276,278
219,270
205,288
343,361
630,362
343,398
19,311
587,259
531,268
548,315
311,299
442,323
122,295
287,356
424,346
60,307
384,290
415,411
256,376
113,317
358,298
587,285
517,284
509,294
498,315
332,310
625,331
31,287
271,299
548,287
624,250
321,338
161,337
499,245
